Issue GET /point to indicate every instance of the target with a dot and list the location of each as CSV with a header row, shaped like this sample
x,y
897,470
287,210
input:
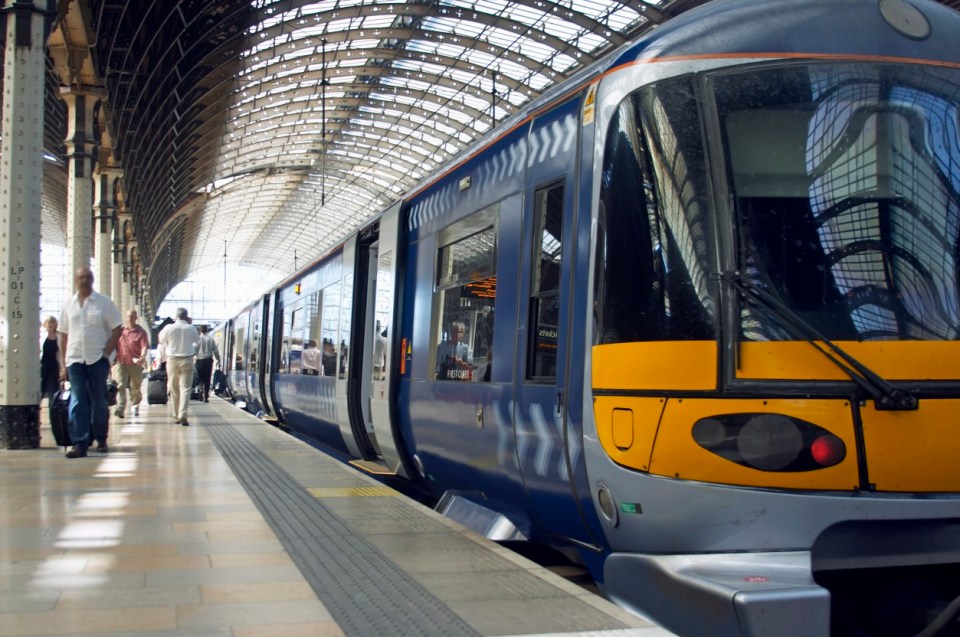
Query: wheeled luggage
x,y
195,393
219,383
60,417
157,388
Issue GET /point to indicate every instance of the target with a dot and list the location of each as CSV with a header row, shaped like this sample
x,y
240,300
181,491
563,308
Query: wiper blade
x,y
887,397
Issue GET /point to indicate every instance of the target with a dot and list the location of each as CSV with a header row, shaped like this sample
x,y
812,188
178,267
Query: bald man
x,y
90,326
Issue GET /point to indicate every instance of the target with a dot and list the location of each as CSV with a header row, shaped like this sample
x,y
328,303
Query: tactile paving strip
x,y
365,592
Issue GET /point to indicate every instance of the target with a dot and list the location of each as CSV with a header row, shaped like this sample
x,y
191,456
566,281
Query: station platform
x,y
233,528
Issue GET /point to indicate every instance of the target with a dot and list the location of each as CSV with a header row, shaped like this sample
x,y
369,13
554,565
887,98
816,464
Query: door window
x,y
346,309
545,292
383,311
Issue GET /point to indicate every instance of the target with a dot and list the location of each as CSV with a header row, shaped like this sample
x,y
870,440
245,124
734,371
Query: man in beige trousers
x,y
131,359
179,342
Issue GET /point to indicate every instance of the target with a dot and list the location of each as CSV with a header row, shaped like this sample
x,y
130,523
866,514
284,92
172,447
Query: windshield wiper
x,y
886,396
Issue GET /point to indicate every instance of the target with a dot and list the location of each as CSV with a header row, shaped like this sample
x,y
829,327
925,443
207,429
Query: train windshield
x,y
846,187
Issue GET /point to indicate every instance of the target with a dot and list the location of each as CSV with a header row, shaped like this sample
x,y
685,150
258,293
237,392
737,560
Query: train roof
x,y
914,30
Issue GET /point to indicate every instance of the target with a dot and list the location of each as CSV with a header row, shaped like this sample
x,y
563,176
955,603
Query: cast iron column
x,y
80,144
21,177
103,216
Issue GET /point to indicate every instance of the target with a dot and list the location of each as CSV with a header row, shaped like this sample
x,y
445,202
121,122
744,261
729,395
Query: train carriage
x,y
691,317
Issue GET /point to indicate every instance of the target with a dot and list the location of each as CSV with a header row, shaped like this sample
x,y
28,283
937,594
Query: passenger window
x,y
296,340
239,341
254,354
284,366
545,293
346,308
465,297
328,330
310,334
383,306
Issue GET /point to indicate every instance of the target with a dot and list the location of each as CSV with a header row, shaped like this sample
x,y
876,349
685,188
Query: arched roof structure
x,y
253,132
261,129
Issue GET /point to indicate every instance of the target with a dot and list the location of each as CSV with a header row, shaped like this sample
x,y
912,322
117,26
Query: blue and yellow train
x,y
691,317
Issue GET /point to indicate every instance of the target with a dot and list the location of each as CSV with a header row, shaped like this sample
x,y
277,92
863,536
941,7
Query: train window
x,y
284,365
844,183
382,311
657,252
545,294
465,297
309,334
346,308
298,319
238,346
254,354
327,328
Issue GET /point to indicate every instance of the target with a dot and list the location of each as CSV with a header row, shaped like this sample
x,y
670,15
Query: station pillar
x,y
21,178
116,274
103,221
80,144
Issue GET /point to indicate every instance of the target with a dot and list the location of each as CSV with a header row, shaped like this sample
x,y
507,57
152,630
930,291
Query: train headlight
x,y
769,442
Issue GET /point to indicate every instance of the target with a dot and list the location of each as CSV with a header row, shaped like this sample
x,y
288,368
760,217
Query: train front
x,y
775,373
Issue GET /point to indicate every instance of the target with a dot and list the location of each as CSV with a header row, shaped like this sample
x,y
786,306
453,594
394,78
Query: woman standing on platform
x,y
49,361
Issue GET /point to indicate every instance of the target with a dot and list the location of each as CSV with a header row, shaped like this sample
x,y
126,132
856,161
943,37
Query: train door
x,y
255,352
226,353
271,325
378,384
354,431
545,450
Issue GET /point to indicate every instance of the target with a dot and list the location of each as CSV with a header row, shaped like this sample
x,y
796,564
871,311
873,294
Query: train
x,y
690,317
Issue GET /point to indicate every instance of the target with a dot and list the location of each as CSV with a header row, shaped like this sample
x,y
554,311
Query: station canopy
x,y
254,131
261,132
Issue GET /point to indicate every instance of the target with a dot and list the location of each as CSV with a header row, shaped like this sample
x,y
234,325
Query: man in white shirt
x,y
180,340
207,350
90,326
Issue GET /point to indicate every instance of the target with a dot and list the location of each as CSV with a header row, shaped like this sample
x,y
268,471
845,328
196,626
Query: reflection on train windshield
x,y
846,182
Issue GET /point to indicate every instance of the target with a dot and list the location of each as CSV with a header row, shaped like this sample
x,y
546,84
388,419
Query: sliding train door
x,y
378,384
271,325
355,434
549,443
255,376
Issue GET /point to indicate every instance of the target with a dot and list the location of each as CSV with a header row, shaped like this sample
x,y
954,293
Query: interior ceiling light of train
x,y
263,129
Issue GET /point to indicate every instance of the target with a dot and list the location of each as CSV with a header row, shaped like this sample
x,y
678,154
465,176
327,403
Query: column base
x,y
19,426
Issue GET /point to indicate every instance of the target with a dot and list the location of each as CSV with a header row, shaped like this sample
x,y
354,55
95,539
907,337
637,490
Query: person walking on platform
x,y
207,350
49,360
131,359
179,342
90,326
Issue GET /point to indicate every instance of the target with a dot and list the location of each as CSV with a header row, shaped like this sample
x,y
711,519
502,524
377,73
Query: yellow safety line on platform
x,y
352,492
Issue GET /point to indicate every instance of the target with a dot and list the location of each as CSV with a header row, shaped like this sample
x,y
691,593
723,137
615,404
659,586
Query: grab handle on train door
x,y
559,402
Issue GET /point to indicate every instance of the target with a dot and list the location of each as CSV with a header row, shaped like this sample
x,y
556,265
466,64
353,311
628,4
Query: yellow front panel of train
x,y
655,365
894,360
914,451
627,427
676,454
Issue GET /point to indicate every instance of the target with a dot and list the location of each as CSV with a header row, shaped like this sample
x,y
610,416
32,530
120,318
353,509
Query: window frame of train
x,y
640,255
239,343
548,205
473,283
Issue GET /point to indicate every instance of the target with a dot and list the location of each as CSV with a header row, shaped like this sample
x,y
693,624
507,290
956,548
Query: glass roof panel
x,y
340,106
